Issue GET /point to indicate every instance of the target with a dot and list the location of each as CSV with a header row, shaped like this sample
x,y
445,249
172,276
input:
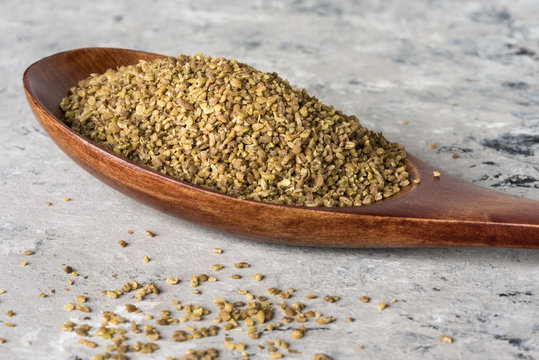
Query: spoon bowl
x,y
439,211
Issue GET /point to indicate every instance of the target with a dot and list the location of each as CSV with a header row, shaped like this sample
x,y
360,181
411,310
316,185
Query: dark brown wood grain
x,y
444,211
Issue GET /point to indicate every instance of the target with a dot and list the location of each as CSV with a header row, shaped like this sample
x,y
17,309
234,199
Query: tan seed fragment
x,y
235,276
320,356
88,343
297,334
28,252
364,299
258,277
276,355
8,324
242,265
274,291
331,299
173,280
80,299
194,281
82,308
310,296
122,243
48,203
149,233
151,333
382,305
24,263
69,307
10,313
436,173
66,199
446,339
217,267
325,320
218,250
433,146
360,347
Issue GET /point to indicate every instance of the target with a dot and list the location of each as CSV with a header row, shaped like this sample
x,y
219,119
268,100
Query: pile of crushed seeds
x,y
226,126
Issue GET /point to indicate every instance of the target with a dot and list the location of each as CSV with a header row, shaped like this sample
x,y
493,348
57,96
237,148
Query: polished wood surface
x,y
444,211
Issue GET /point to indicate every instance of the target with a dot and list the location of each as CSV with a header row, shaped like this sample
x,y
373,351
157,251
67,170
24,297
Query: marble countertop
x,y
463,76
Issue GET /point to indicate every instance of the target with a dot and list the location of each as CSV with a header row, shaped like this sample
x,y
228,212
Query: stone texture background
x,y
465,77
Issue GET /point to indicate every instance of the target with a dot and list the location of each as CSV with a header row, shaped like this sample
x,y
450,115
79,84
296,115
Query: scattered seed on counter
x,y
320,356
149,233
297,334
242,265
29,253
218,250
364,299
382,305
325,320
88,343
331,299
446,339
82,308
122,243
130,308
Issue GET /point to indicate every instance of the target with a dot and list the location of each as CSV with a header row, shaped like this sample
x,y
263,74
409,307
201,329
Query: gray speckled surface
x,y
464,76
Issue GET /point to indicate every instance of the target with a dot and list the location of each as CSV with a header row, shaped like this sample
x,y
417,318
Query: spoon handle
x,y
447,211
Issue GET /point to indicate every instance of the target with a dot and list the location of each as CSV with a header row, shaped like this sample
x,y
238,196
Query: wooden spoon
x,y
439,211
